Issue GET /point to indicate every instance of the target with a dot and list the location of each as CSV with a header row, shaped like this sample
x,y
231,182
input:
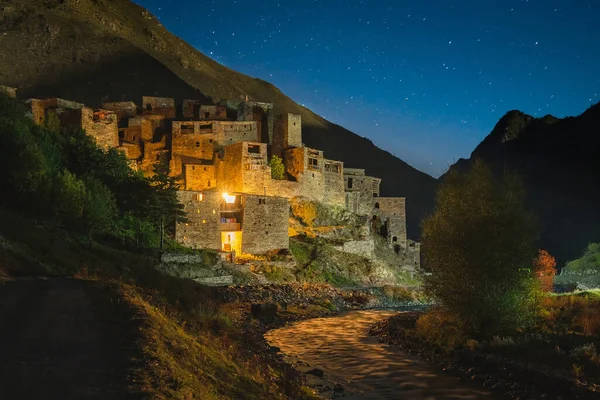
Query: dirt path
x,y
366,369
56,342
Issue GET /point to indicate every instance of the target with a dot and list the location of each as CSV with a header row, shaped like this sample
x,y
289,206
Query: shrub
x,y
442,328
588,263
479,246
277,168
586,352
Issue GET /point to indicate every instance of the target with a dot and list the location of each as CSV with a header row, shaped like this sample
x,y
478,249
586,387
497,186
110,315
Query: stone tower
x,y
287,134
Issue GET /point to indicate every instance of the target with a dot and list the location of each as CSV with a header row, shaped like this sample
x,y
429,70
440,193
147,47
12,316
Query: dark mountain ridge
x,y
560,164
93,51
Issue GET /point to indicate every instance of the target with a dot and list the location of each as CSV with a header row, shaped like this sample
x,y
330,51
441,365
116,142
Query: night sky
x,y
426,79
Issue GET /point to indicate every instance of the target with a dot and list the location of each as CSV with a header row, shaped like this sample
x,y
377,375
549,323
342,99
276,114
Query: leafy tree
x,y
544,267
131,229
163,205
100,210
69,198
277,168
479,244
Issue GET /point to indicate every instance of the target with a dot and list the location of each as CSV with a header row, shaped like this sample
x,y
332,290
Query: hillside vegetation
x,y
99,50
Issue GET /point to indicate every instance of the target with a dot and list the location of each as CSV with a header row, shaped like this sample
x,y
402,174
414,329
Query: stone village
x,y
220,155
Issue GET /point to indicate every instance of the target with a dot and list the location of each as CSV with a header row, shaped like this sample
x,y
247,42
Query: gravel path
x,y
364,368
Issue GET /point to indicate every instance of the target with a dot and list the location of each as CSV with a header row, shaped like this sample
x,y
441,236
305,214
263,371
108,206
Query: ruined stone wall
x,y
130,135
392,210
101,125
229,132
159,106
295,163
213,112
287,133
202,229
229,168
199,177
265,226
334,193
367,188
190,109
152,126
37,110
123,109
133,151
263,114
152,154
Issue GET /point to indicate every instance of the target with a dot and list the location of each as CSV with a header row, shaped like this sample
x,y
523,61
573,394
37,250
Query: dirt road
x,y
60,339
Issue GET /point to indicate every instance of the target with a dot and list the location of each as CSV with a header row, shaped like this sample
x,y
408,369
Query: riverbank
x,y
501,370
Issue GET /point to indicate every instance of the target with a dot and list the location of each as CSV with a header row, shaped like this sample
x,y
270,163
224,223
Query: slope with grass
x,y
98,50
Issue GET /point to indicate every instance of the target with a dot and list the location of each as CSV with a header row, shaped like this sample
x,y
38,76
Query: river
x,y
366,369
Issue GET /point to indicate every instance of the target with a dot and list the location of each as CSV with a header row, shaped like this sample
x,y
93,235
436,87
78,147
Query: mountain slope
x,y
99,50
558,159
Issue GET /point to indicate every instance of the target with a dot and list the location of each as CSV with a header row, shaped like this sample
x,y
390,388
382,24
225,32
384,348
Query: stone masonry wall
x,y
265,226
287,133
159,106
102,125
199,177
123,109
203,229
392,210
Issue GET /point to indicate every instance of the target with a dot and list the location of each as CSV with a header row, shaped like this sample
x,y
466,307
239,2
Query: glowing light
x,y
229,199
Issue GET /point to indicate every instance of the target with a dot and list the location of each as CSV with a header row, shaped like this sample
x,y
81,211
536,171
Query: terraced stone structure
x,y
220,154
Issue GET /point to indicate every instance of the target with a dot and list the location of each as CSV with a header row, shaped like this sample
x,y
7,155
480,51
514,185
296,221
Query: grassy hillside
x,y
98,50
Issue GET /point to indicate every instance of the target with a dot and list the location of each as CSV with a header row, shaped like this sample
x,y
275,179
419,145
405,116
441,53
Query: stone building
x,y
287,133
246,224
262,114
123,109
159,106
360,190
391,212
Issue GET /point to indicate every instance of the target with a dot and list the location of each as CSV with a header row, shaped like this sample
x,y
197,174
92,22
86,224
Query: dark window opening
x,y
205,168
133,138
121,135
313,163
254,149
158,157
394,239
262,201
397,248
374,218
210,140
149,107
376,205
197,144
206,127
208,183
375,195
206,115
350,182
187,129
193,168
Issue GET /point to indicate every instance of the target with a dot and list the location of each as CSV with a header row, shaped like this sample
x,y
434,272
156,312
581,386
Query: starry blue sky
x,y
425,79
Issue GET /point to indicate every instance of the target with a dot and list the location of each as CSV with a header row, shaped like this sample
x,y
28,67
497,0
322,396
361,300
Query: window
x,y
206,115
253,149
158,157
121,134
149,107
187,129
205,168
313,163
376,205
133,138
208,183
262,201
193,167
350,182
198,197
197,144
394,239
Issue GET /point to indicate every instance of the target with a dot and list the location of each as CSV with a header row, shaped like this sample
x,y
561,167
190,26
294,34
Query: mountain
x,y
559,160
93,51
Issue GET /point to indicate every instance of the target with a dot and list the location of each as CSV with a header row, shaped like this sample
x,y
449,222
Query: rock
x,y
274,349
316,372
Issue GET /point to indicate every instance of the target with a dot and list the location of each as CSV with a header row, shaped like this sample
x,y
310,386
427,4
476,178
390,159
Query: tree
x,y
100,209
277,168
479,244
544,267
69,197
164,206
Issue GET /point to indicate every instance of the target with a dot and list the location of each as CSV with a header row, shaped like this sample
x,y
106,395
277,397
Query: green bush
x,y
277,168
